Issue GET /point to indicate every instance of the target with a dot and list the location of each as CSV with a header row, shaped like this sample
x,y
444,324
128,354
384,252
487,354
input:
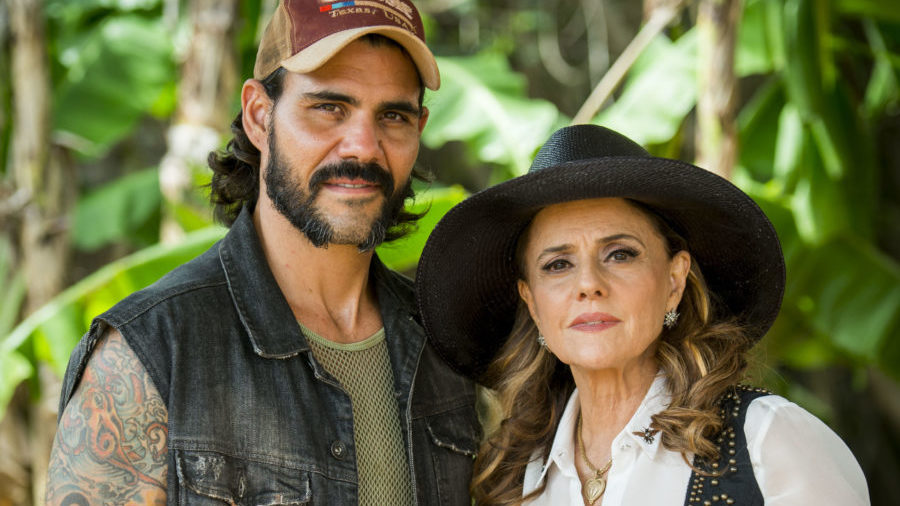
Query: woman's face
x,y
598,281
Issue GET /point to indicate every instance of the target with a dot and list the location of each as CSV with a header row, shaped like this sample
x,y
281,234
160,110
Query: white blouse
x,y
796,460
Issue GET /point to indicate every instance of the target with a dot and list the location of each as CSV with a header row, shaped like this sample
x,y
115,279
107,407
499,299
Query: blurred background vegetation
x,y
108,109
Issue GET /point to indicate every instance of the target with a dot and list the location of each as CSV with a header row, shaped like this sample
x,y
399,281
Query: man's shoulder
x,y
201,273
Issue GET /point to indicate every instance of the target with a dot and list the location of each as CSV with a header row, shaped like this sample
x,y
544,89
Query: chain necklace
x,y
593,487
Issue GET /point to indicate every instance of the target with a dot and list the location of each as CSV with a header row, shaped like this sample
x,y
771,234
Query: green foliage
x,y
12,288
861,281
50,333
760,46
403,254
808,154
875,9
882,91
483,104
73,12
660,92
842,299
114,74
117,210
14,367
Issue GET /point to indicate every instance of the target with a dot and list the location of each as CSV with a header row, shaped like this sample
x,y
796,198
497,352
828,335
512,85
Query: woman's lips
x,y
593,322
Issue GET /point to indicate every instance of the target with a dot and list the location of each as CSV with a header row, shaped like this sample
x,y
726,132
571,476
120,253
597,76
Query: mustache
x,y
369,172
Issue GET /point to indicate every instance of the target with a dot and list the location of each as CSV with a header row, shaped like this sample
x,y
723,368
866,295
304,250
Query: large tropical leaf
x,y
757,137
864,282
819,204
50,333
115,74
806,73
760,47
857,304
14,369
883,90
841,302
660,92
483,103
115,211
74,308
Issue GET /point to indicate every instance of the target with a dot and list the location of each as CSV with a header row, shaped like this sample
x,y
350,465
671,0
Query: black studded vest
x,y
731,479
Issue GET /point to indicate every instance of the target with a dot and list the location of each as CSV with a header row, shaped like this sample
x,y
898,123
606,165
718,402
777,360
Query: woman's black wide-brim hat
x,y
466,279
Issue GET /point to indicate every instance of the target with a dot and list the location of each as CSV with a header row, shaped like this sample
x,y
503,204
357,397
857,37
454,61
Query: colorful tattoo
x,y
111,443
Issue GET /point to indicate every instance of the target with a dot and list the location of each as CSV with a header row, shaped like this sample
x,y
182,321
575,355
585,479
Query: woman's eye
x,y
622,255
556,265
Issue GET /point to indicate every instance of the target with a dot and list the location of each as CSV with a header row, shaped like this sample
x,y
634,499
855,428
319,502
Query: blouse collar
x,y
637,432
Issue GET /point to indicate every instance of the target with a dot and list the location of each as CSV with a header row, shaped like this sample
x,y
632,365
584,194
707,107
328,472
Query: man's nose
x,y
361,140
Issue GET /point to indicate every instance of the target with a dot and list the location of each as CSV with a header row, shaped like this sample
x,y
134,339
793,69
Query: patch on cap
x,y
314,22
304,34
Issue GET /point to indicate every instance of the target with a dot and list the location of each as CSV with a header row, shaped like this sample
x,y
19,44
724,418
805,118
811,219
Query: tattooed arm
x,y
111,443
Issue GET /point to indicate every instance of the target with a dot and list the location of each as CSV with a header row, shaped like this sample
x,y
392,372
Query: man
x,y
286,365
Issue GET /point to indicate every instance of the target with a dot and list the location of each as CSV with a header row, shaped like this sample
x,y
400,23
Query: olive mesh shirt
x,y
364,370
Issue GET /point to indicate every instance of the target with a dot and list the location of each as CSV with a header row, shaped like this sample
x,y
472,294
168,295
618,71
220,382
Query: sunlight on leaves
x,y
483,103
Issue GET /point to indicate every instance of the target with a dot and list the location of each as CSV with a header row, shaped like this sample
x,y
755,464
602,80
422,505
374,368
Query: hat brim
x,y
467,274
324,49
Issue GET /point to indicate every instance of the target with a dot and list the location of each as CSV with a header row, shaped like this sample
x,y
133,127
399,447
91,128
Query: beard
x,y
299,207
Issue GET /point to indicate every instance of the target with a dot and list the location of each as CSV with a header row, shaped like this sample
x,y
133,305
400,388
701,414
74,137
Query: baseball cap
x,y
304,34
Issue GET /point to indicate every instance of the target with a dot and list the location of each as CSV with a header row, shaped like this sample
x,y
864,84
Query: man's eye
x,y
327,107
396,116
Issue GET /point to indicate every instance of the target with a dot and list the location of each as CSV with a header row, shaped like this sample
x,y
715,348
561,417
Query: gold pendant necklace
x,y
593,487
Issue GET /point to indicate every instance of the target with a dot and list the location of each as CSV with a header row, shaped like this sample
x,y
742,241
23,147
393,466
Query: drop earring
x,y
541,341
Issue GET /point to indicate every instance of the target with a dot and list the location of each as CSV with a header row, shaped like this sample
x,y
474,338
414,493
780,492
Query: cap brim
x,y
324,49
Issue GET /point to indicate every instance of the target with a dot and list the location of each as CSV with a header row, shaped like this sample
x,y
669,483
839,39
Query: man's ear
x,y
423,119
256,106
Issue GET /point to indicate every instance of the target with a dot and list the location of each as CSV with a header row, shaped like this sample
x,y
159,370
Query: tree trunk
x,y
5,116
208,80
716,139
48,187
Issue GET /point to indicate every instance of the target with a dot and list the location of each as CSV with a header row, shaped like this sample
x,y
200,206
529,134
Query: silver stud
x,y
670,318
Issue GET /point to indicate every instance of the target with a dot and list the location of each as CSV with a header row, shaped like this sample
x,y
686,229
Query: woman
x,y
610,298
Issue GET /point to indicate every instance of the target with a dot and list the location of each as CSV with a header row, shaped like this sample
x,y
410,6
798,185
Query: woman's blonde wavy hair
x,y
701,357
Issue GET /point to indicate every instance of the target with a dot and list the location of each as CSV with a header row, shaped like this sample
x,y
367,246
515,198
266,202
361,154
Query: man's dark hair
x,y
235,180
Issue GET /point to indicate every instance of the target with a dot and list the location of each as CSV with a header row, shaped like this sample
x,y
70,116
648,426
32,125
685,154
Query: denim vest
x,y
253,418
